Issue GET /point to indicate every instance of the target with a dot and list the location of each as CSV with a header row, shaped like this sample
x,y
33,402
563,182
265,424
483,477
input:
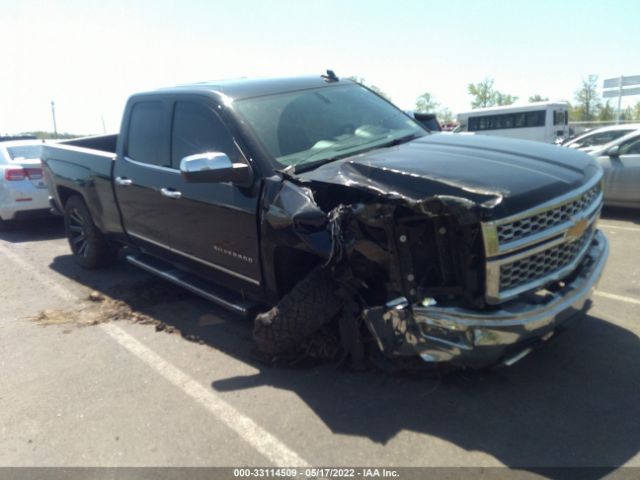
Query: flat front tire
x,y
310,304
89,246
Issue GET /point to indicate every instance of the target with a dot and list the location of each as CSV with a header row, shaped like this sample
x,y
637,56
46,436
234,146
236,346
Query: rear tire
x,y
89,246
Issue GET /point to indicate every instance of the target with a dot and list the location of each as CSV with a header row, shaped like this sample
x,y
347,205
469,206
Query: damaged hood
x,y
501,176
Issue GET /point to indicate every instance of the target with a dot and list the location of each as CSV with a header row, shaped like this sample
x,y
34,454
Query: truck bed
x,y
104,143
85,165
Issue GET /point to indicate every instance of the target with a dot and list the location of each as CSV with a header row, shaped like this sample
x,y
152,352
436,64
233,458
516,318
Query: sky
x,y
88,56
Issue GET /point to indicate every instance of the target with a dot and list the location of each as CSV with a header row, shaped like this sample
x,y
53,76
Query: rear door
x,y
141,171
212,224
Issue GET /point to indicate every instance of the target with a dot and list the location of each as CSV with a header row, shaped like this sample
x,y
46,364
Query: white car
x,y
23,191
595,139
620,160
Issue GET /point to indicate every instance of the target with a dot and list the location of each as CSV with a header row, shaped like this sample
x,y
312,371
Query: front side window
x,y
147,142
630,148
316,125
197,129
600,138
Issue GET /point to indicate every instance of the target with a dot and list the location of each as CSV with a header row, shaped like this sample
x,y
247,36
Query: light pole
x,y
53,114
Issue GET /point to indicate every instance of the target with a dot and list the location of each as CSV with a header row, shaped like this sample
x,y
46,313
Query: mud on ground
x,y
98,307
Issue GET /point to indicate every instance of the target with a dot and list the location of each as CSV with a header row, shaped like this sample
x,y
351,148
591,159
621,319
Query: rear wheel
x,y
89,246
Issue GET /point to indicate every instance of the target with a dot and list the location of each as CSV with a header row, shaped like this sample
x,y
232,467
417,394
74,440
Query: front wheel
x,y
89,246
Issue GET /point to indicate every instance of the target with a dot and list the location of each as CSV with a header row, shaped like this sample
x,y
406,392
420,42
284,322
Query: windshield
x,y
310,126
24,152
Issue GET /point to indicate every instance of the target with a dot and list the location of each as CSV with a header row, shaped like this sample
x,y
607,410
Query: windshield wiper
x,y
305,166
399,141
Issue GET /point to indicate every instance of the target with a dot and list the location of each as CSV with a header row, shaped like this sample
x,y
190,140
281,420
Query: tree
x,y
445,115
538,98
606,113
504,98
425,103
51,135
483,93
636,111
379,91
588,101
375,88
357,79
627,114
486,96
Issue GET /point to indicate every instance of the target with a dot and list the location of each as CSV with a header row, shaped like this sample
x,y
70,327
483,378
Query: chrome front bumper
x,y
475,338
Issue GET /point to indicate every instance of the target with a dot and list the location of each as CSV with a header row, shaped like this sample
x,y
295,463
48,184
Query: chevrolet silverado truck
x,y
314,205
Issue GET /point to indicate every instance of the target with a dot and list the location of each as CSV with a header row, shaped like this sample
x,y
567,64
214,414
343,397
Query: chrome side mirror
x,y
214,167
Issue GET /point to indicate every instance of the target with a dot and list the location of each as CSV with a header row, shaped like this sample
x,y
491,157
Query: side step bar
x,y
192,283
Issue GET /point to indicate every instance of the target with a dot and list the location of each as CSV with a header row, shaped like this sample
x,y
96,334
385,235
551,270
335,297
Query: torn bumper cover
x,y
473,338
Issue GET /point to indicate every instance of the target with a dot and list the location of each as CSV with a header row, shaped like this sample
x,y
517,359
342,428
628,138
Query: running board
x,y
192,283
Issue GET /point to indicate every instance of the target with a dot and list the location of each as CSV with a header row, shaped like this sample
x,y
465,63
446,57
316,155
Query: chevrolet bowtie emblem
x,y
576,231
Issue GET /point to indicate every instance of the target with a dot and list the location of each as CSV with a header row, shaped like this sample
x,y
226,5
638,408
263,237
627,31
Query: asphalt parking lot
x,y
178,386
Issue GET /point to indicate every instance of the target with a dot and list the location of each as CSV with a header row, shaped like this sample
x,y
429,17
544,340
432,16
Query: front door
x,y
622,174
213,224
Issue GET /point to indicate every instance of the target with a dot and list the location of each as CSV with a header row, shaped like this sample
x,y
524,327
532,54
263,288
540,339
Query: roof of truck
x,y
254,87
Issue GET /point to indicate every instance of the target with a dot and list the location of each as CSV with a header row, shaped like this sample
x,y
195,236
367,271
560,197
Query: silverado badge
x,y
577,230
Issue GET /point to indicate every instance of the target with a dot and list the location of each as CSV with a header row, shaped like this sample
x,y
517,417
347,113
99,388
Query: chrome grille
x,y
526,226
545,244
541,264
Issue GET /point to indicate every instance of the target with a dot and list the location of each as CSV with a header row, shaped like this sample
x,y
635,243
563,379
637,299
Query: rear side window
x,y
146,142
197,129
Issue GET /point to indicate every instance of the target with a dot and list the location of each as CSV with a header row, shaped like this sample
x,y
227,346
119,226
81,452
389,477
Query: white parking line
x,y
264,442
616,227
26,267
260,439
620,298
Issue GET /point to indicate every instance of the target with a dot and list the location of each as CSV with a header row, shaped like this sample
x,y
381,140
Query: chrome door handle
x,y
167,192
124,181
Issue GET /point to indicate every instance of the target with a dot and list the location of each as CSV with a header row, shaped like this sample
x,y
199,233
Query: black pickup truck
x,y
313,204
